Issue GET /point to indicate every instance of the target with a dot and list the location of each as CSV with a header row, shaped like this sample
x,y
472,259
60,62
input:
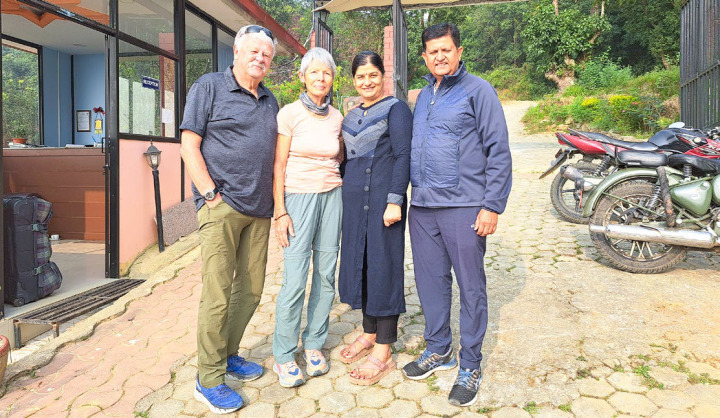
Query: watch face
x,y
210,195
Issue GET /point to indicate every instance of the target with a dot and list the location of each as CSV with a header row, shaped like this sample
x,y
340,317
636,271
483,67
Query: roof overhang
x,y
335,6
237,13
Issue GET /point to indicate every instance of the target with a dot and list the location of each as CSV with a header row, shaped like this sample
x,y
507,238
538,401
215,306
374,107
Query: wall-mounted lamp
x,y
152,156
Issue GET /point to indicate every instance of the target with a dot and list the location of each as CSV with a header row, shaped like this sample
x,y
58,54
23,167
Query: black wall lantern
x,y
152,156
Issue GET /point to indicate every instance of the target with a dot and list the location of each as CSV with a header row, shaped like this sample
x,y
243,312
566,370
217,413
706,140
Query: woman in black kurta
x,y
376,173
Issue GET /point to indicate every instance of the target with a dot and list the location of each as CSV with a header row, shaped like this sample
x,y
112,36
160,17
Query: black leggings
x,y
385,327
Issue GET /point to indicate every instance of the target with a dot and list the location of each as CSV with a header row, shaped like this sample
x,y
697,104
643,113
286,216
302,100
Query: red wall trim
x,y
260,15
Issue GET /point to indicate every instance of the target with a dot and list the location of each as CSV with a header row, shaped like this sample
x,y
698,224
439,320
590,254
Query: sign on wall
x,y
151,83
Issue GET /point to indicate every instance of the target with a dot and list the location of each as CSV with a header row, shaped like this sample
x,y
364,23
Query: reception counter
x,y
71,178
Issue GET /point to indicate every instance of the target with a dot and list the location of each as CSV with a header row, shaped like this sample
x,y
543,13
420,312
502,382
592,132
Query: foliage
x,y
663,83
601,73
639,106
492,36
513,83
20,95
638,34
293,15
357,31
646,34
553,41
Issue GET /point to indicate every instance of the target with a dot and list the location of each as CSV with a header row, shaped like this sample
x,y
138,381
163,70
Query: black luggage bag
x,y
29,273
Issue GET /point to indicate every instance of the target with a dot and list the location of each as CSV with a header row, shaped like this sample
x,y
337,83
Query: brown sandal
x,y
354,352
373,363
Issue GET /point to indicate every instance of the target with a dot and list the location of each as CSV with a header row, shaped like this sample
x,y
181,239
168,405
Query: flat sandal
x,y
357,354
373,363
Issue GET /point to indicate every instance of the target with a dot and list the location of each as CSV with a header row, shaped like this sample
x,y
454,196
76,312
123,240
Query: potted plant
x,y
19,135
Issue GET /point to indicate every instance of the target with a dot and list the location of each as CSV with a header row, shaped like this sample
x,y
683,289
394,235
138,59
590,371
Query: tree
x,y
559,36
646,34
20,95
491,35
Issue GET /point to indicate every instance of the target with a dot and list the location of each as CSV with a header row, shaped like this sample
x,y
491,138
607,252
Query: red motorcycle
x,y
599,159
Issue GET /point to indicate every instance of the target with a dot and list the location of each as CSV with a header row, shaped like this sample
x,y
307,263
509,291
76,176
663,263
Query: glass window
x,y
148,20
20,93
198,48
225,49
146,91
97,10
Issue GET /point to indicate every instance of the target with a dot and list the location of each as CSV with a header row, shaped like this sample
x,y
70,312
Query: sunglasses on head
x,y
258,29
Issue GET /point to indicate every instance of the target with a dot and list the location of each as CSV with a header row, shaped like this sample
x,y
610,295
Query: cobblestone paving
x,y
568,336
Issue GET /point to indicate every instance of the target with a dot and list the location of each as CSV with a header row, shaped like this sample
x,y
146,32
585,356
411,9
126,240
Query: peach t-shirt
x,y
315,142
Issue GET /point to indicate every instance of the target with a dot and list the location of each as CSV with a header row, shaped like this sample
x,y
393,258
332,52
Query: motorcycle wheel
x,y
629,255
562,198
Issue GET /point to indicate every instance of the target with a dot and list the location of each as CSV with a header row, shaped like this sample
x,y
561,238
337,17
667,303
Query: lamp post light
x,y
152,156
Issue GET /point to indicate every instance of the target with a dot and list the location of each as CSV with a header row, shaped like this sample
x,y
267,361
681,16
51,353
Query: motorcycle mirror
x,y
677,125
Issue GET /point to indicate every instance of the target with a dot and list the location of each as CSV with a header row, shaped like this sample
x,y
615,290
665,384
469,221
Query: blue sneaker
x,y
240,369
465,390
220,399
428,363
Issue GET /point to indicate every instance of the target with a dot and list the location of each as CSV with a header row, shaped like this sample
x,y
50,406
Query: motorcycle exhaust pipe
x,y
680,237
576,176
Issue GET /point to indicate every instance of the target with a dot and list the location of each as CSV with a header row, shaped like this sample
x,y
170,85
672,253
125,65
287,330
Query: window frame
x,y
41,87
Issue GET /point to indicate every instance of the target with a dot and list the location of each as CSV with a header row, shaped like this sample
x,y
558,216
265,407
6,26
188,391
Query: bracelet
x,y
284,214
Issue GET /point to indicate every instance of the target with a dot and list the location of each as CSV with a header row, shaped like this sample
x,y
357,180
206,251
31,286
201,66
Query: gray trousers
x,y
442,238
317,218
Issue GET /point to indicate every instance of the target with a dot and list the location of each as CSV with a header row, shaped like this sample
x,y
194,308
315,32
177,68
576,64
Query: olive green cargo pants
x,y
234,252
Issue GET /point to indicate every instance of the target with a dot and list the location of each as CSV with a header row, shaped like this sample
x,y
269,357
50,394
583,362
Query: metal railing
x,y
700,63
400,47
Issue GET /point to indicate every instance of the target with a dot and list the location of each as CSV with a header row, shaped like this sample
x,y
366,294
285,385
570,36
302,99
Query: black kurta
x,y
376,172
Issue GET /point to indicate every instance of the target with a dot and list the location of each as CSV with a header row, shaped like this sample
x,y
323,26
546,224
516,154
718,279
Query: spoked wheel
x,y
562,194
626,208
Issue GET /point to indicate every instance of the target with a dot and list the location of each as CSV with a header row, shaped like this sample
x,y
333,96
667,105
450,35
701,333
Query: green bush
x,y
575,90
517,83
637,106
661,83
601,73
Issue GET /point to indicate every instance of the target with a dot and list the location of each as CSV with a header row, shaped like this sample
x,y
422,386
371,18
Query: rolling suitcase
x,y
29,273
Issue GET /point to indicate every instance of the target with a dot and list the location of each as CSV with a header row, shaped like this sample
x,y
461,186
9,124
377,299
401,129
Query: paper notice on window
x,y
168,116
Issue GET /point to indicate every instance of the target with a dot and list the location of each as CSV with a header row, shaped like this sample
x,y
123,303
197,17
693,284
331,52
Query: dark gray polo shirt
x,y
239,134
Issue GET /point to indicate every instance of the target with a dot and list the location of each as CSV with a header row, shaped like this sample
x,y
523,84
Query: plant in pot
x,y
19,135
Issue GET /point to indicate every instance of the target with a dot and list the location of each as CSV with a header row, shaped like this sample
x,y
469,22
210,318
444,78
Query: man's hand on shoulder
x,y
486,223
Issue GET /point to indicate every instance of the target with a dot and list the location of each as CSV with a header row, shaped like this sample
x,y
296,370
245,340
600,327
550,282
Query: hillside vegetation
x,y
610,99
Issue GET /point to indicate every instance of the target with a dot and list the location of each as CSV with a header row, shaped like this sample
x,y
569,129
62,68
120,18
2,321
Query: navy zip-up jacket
x,y
460,152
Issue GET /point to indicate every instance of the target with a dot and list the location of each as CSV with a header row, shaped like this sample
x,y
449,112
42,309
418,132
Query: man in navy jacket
x,y
460,170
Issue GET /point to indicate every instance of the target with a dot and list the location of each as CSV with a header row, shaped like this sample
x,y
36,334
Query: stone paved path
x,y
567,336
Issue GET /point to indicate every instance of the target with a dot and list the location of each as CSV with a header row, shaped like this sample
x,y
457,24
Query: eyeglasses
x,y
258,29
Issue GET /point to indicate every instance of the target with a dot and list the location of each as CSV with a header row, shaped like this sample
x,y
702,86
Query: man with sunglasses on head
x,y
229,131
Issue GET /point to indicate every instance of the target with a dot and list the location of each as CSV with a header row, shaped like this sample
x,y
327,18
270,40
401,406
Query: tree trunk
x,y
563,77
665,63
563,82
557,7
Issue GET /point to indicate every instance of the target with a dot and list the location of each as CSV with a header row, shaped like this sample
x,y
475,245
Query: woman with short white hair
x,y
308,216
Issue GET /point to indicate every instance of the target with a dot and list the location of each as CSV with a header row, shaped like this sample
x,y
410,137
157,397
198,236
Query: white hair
x,y
258,36
320,55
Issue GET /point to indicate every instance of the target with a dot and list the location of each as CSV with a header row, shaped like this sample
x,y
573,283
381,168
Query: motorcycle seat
x,y
633,158
638,146
704,165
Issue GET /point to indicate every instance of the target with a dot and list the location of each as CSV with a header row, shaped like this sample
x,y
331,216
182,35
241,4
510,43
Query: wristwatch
x,y
210,194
